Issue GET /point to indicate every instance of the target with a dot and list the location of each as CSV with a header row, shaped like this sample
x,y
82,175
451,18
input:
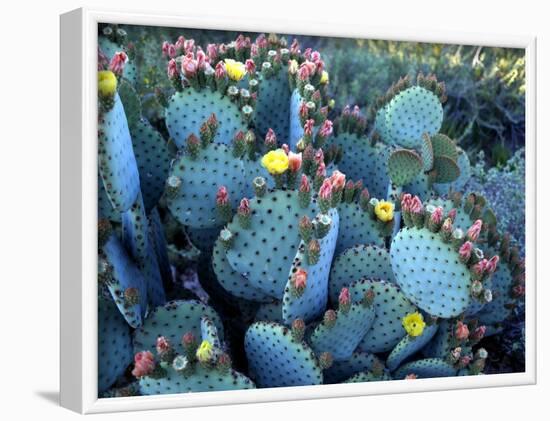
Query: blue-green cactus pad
x,y
231,280
358,362
380,125
446,170
114,352
173,320
465,167
496,311
195,201
109,48
427,153
342,338
443,145
420,186
403,166
296,128
273,105
200,380
125,275
253,169
410,345
105,209
275,359
136,238
390,305
426,369
429,272
410,114
131,102
313,301
203,238
367,376
189,109
269,312
370,262
363,161
158,239
356,227
117,163
264,252
153,158
441,343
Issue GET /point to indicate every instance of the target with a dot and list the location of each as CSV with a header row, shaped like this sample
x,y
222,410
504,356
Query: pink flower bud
x,y
308,127
220,72
350,185
437,215
165,46
365,195
325,192
144,364
326,129
518,291
465,251
344,299
304,184
455,353
180,43
406,198
452,214
474,230
118,62
303,73
447,226
299,279
461,331
321,170
222,197
319,157
250,66
295,47
492,264
480,267
188,339
244,207
304,111
479,333
338,180
285,148
172,51
294,161
270,138
465,360
212,51
202,60
307,53
315,56
189,46
162,345
189,66
240,43
416,205
172,69
261,41
356,112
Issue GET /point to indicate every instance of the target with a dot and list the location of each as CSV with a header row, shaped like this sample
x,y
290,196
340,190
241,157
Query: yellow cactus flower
x,y
235,69
414,324
275,162
324,78
384,210
106,83
204,352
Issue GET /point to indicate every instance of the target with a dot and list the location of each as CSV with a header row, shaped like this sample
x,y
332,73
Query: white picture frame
x,y
79,212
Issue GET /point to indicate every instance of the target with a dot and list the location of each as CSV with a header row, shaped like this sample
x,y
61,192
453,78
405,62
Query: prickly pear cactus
x,y
410,345
114,345
425,369
276,359
358,362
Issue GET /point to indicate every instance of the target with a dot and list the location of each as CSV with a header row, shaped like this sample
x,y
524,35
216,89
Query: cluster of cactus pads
x,y
261,245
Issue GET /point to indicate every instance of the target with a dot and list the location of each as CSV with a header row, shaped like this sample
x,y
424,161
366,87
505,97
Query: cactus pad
x,y
265,251
117,163
125,275
358,362
498,309
391,305
367,376
269,312
173,320
342,338
446,169
201,379
356,227
187,110
275,359
194,203
273,105
411,113
114,352
410,345
465,168
427,368
231,280
403,166
444,146
359,262
313,300
430,273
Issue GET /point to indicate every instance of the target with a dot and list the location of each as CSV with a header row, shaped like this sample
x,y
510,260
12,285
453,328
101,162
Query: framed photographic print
x,y
258,211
